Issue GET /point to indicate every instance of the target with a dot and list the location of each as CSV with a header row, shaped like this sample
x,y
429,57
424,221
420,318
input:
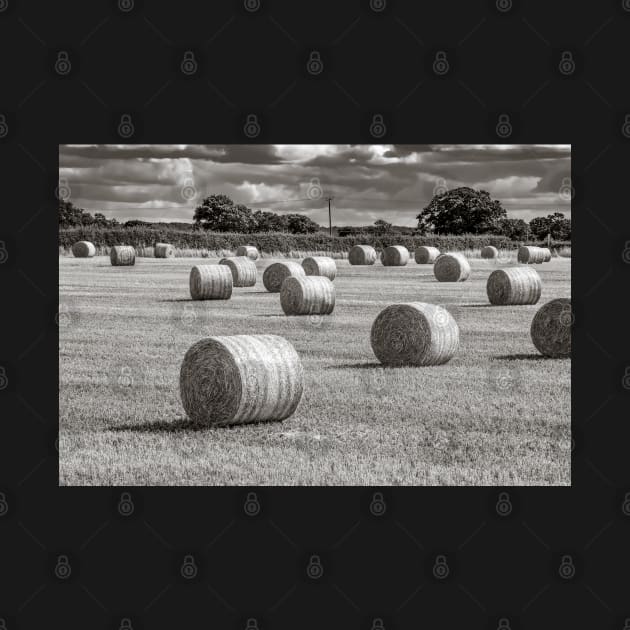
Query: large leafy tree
x,y
71,216
269,221
555,224
220,214
300,224
461,211
514,229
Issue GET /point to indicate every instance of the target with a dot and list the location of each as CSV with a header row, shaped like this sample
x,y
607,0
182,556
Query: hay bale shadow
x,y
521,357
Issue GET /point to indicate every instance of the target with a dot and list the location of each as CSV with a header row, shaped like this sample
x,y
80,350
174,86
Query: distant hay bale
x,y
551,328
274,274
122,255
320,266
248,250
529,254
451,267
308,295
514,285
547,252
239,379
362,255
243,270
425,255
395,256
210,282
83,249
489,252
414,334
164,250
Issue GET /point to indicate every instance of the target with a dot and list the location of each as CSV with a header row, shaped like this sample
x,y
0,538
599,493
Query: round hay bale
x,y
414,334
451,268
547,253
248,250
515,285
426,255
489,252
529,254
122,255
395,256
164,250
551,328
210,282
362,255
308,295
243,270
83,249
320,266
274,275
239,379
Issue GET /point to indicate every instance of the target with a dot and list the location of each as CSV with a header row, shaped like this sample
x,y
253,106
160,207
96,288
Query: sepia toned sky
x,y
368,182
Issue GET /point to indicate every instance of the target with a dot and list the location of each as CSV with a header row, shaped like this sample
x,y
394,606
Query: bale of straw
x,y
164,250
451,267
243,270
414,334
551,328
395,256
489,252
426,255
239,379
210,282
308,295
514,285
83,249
274,275
122,255
320,266
547,252
530,255
248,250
362,255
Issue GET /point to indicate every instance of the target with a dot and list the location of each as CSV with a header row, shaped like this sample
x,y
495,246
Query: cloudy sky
x,y
368,182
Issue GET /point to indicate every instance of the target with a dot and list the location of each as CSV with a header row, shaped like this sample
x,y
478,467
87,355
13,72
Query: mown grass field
x,y
496,414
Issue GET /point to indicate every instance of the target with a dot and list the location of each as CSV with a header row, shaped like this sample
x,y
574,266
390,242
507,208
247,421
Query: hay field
x,y
496,414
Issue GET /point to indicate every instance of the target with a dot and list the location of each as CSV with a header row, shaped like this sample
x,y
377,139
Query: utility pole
x,y
329,216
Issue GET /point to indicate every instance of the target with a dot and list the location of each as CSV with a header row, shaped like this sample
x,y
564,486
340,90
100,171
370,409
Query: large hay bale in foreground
x,y
275,274
395,256
164,250
320,266
451,267
243,270
362,255
83,249
489,251
240,379
514,285
529,254
547,253
414,334
210,282
551,328
122,255
426,255
308,295
248,250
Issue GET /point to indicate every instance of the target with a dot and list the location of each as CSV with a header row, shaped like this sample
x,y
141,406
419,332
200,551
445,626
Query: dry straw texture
x,y
426,255
515,285
83,249
320,266
414,334
551,328
210,282
243,270
122,255
164,250
240,379
395,256
362,255
248,250
547,252
489,252
530,255
451,268
274,275
308,295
